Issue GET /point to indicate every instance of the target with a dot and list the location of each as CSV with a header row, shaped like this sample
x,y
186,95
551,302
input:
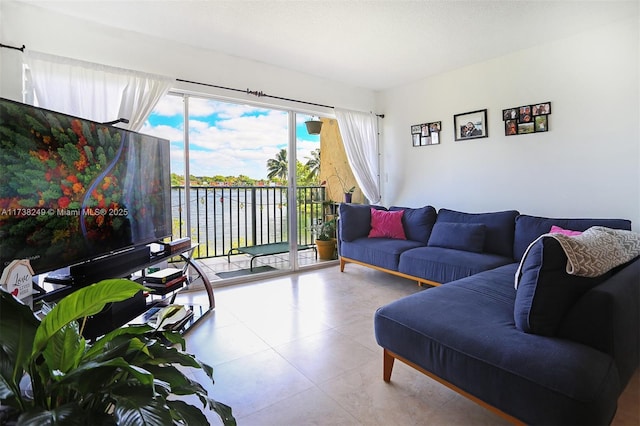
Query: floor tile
x,y
311,407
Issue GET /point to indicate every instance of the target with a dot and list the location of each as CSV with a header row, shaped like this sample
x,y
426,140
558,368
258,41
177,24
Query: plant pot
x,y
313,126
348,197
326,249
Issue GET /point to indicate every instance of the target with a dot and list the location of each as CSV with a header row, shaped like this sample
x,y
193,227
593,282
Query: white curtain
x,y
96,92
359,133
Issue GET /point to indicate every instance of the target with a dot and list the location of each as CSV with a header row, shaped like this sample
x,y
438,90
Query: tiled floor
x,y
300,350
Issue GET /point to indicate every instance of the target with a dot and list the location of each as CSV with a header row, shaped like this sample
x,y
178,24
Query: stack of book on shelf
x,y
171,317
165,278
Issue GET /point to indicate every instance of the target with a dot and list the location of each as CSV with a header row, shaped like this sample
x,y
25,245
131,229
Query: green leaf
x,y
68,414
83,373
224,411
189,414
65,349
17,330
116,340
135,410
82,303
180,383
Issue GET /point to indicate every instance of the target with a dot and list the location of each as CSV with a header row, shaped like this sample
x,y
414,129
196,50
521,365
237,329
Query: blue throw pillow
x,y
546,291
459,236
417,222
355,220
499,228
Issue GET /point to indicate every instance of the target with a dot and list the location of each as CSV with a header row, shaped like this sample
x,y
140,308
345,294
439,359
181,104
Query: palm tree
x,y
313,164
278,167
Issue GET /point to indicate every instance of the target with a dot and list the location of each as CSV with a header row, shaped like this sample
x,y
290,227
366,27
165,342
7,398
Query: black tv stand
x,y
56,291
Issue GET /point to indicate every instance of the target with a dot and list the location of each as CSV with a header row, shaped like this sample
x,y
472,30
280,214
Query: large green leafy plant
x,y
50,375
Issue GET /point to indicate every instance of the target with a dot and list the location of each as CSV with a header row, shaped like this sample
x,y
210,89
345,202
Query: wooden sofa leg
x,y
342,263
387,365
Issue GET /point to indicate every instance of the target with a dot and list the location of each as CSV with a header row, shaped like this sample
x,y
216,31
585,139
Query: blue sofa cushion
x,y
464,333
355,220
546,291
499,228
417,223
381,252
528,228
443,265
460,236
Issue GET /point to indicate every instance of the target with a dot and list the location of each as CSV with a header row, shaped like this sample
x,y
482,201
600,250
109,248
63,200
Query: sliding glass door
x,y
235,190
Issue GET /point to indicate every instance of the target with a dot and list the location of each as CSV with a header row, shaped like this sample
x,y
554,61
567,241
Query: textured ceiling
x,y
365,43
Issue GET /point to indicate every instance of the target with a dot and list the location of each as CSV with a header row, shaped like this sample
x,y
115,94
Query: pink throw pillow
x,y
567,232
387,224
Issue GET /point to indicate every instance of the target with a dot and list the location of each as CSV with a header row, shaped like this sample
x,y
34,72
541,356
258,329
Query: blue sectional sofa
x,y
559,349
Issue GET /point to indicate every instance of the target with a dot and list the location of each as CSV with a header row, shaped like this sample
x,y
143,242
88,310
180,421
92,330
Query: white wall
x,y
55,34
587,165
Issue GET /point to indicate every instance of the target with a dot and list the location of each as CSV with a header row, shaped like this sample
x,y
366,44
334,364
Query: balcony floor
x,y
241,262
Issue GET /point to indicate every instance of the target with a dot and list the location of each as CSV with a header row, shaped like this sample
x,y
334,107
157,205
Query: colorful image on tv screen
x,y
72,189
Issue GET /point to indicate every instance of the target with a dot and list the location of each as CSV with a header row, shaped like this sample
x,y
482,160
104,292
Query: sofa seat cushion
x,y
499,228
381,252
443,265
528,228
464,332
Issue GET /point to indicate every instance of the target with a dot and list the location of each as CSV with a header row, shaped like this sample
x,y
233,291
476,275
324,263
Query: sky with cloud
x,y
224,138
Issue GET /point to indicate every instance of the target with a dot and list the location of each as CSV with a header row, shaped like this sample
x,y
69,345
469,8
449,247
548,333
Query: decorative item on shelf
x,y
470,125
325,234
426,133
131,375
526,119
313,126
348,196
17,279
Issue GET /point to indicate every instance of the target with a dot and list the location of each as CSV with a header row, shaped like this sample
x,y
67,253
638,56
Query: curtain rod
x,y
261,94
13,47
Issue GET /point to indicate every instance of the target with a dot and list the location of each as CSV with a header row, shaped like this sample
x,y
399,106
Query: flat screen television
x,y
72,189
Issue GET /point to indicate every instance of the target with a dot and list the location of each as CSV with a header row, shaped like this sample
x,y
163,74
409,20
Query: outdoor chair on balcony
x,y
267,250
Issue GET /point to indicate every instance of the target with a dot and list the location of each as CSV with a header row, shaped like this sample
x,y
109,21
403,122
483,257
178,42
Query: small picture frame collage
x,y
526,119
426,133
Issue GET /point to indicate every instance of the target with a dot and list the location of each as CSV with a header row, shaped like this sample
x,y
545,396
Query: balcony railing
x,y
224,217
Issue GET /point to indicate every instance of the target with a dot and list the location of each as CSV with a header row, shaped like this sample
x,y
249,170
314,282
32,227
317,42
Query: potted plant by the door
x,y
348,194
50,375
325,233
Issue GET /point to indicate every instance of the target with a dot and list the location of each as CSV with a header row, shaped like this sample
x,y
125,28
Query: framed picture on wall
x,y
526,119
426,134
541,109
470,125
